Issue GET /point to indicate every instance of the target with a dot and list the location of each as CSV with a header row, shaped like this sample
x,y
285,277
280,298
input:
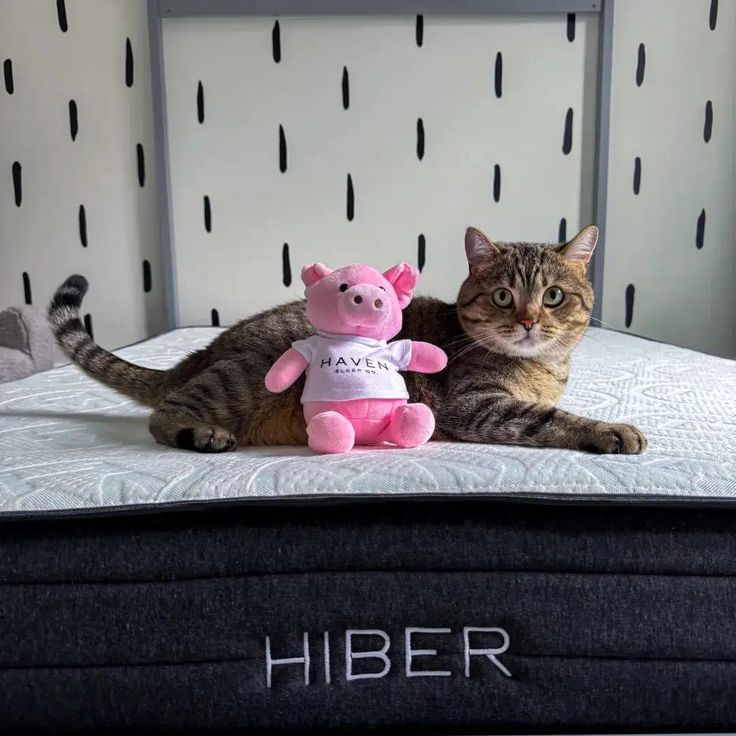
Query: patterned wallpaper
x,y
369,138
372,138
670,270
77,174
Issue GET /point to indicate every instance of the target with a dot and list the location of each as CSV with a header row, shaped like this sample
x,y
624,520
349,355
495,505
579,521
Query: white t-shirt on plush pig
x,y
345,367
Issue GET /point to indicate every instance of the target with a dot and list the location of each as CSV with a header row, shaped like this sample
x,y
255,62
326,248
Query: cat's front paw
x,y
614,439
206,438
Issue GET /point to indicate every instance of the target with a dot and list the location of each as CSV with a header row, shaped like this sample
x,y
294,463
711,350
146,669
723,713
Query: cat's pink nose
x,y
527,324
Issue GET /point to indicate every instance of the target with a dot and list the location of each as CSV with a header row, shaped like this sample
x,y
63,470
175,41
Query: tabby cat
x,y
519,314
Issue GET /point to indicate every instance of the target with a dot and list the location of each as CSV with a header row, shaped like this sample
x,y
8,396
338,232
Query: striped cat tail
x,y
142,384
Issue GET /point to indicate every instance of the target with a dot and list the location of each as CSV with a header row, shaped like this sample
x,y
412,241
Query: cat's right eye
x,y
344,287
502,298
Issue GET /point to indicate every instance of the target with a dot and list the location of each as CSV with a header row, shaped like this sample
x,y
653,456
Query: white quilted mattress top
x,y
69,445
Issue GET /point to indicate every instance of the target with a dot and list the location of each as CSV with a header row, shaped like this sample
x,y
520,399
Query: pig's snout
x,y
363,304
358,299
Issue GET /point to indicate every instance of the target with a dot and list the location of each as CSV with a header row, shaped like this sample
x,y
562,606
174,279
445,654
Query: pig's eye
x,y
344,287
381,288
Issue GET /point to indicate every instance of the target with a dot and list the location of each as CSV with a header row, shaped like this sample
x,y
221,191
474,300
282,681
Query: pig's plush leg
x,y
330,432
411,425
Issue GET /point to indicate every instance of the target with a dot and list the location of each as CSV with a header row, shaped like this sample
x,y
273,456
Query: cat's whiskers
x,y
601,323
464,351
591,335
476,342
458,341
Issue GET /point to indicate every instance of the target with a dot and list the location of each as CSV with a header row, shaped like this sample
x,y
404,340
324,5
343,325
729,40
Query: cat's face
x,y
527,300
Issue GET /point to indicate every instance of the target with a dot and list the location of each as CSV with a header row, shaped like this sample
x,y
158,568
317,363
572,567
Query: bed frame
x,y
159,10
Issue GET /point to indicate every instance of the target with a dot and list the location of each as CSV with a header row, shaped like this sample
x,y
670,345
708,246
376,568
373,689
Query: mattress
x,y
69,445
600,619
484,589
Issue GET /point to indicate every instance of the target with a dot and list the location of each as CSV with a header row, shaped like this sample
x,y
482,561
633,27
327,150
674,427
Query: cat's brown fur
x,y
508,363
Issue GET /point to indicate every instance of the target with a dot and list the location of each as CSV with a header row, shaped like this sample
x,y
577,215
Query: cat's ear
x,y
403,277
312,274
580,248
479,249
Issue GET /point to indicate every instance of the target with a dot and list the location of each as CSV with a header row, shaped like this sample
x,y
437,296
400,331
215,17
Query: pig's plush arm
x,y
426,358
285,371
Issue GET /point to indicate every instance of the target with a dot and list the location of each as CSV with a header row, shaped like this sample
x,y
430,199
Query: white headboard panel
x,y
437,122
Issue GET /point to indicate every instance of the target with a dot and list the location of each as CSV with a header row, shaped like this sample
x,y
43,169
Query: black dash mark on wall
x,y
215,317
147,283
708,127
17,183
88,325
345,88
567,136
286,265
141,162
276,42
700,231
351,199
641,62
420,30
713,18
571,27
27,296
629,315
200,102
496,183
562,233
207,214
73,119
8,74
421,252
637,175
282,149
61,14
420,139
128,63
498,75
82,226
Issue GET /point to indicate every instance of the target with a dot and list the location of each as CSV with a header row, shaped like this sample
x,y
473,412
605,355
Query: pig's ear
x,y
403,277
312,274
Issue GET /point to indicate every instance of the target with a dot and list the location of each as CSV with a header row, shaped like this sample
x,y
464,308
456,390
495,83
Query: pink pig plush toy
x,y
354,393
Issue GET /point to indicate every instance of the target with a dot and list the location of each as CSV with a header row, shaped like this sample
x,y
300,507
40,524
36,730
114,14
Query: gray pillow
x,y
26,343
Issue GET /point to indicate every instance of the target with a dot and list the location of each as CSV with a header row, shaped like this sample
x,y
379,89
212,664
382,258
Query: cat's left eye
x,y
553,297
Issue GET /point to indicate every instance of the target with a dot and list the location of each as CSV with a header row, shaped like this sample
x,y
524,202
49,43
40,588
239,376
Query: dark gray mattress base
x,y
438,617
